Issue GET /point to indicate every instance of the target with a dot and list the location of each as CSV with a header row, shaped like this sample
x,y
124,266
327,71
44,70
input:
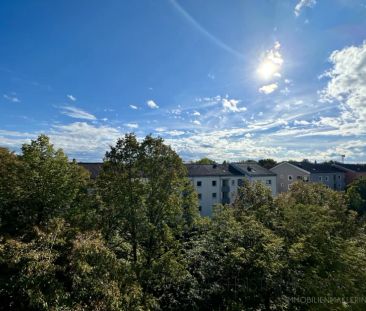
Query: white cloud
x,y
301,122
267,89
285,91
303,4
196,122
77,113
71,97
232,105
196,113
133,107
175,133
347,86
271,63
12,98
132,125
151,104
160,129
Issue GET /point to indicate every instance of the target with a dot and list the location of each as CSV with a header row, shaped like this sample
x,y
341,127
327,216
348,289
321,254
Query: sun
x,y
267,69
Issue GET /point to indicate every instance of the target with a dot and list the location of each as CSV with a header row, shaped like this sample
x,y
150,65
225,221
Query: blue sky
x,y
234,80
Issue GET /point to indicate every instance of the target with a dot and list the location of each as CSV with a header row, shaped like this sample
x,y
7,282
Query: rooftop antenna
x,y
342,157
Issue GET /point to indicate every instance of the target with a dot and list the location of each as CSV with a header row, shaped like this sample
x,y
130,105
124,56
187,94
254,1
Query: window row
x,y
239,182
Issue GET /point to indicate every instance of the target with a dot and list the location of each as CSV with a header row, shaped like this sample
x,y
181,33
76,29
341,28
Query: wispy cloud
x,y
12,98
151,104
131,125
267,89
77,113
133,107
71,97
203,31
303,4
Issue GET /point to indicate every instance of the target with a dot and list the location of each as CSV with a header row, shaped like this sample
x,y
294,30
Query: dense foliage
x,y
133,240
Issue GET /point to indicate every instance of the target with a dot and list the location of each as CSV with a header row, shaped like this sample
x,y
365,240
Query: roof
x,y
273,169
252,169
93,168
317,168
201,170
353,167
210,170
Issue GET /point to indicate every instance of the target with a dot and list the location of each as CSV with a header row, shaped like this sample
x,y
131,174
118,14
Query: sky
x,y
229,80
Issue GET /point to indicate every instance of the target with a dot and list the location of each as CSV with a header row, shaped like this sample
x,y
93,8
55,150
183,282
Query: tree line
x,y
133,239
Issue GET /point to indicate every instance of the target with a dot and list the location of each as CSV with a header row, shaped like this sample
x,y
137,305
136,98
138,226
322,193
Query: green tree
x,y
205,161
148,204
356,193
267,163
38,185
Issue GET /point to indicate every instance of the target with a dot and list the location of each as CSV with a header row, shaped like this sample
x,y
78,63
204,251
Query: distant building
x,y
216,183
325,173
352,171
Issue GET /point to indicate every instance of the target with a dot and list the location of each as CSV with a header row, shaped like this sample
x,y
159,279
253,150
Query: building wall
x,y
288,174
205,191
269,181
335,181
352,176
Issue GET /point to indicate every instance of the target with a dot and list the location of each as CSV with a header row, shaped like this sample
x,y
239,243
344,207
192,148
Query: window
x,y
299,177
200,208
320,178
289,186
282,185
306,178
233,182
326,178
268,182
289,177
214,194
240,182
214,183
199,183
200,196
339,177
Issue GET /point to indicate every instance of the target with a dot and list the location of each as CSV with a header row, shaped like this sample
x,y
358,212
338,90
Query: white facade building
x,y
218,183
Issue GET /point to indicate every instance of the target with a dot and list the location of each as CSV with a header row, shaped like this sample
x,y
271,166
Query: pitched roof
x,y
361,168
252,169
93,168
201,170
317,168
210,170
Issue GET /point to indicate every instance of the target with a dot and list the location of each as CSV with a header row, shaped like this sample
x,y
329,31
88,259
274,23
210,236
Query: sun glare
x,y
267,69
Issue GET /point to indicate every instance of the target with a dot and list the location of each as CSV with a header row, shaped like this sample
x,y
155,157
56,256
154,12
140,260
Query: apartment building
x,y
352,171
325,173
216,183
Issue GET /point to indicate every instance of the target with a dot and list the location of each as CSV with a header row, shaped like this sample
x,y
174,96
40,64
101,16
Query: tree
x,y
356,193
205,161
38,185
148,204
267,163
